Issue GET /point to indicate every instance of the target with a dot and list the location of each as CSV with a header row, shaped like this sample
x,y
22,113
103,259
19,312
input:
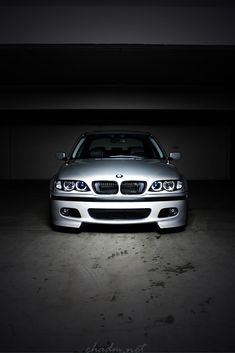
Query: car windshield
x,y
119,146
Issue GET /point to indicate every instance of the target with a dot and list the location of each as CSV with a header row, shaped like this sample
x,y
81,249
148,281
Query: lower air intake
x,y
119,214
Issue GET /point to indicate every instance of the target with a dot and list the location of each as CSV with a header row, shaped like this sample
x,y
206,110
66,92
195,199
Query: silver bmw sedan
x,y
117,177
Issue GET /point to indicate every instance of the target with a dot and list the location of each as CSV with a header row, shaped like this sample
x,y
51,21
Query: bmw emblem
x,y
119,175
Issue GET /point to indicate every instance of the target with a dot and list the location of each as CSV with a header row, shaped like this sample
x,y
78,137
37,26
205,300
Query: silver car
x,y
116,177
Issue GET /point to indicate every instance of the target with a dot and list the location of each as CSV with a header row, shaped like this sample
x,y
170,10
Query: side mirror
x,y
61,156
175,156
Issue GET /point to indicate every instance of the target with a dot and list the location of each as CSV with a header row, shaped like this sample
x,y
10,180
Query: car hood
x,y
106,169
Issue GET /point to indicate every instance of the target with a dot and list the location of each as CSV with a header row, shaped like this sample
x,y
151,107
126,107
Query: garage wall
x,y
5,148
119,24
29,152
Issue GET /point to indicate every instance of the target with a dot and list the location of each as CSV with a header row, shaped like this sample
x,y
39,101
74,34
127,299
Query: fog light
x,y
173,211
70,212
168,212
65,211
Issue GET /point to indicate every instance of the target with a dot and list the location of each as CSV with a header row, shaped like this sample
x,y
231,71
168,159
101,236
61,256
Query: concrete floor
x,y
117,287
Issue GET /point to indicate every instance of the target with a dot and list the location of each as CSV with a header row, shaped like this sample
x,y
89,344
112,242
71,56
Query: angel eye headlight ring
x,y
81,186
169,185
69,185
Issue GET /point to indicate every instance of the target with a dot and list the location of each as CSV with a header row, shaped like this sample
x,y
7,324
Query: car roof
x,y
99,132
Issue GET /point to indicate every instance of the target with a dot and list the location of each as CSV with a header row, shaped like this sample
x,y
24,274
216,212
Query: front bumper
x,y
155,205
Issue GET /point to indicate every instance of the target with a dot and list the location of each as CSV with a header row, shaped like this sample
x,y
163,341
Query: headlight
x,y
81,186
58,184
168,185
70,185
156,186
179,184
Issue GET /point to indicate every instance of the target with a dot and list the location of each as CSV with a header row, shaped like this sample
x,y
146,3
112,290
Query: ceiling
x,y
201,3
